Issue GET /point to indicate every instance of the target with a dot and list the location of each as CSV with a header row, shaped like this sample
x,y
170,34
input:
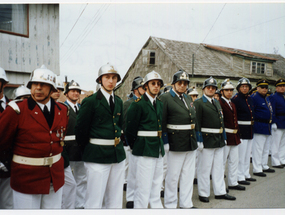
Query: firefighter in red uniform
x,y
35,128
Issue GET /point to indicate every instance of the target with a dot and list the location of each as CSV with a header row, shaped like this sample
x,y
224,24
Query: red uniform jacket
x,y
230,121
30,135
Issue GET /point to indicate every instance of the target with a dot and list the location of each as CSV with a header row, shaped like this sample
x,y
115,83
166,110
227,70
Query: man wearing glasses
x,y
262,129
143,132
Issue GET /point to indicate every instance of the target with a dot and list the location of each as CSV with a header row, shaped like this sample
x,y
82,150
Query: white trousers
x,y
131,177
104,185
181,167
127,150
79,173
244,151
148,182
68,190
231,156
278,147
6,194
38,201
260,150
165,157
211,162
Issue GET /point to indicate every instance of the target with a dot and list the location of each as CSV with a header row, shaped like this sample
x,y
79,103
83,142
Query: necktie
x,y
47,116
214,104
76,110
181,97
154,104
231,106
112,105
1,108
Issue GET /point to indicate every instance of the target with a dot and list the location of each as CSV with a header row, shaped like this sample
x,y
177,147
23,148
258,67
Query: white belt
x,y
244,122
181,127
232,131
149,133
69,137
212,130
105,142
47,161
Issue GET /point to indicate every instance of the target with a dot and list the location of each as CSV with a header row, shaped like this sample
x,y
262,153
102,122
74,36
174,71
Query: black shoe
x,y
269,170
250,179
279,167
237,187
227,190
130,204
260,174
125,187
244,182
195,181
226,197
162,194
204,199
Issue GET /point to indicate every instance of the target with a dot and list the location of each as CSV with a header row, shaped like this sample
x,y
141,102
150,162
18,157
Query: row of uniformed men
x,y
148,122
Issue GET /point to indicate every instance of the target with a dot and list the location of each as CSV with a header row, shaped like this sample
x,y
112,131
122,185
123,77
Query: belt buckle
x,y
221,130
192,126
235,131
270,121
159,134
252,122
48,161
117,141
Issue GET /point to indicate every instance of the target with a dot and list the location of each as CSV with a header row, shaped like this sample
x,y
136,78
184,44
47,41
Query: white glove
x,y
225,142
274,126
200,146
166,147
3,167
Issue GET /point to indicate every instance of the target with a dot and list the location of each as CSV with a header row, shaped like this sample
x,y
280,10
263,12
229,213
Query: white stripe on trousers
x,y
6,194
278,147
104,184
211,161
231,156
131,177
244,151
181,167
149,174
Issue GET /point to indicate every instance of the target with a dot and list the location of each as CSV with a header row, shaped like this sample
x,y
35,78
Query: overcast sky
x,y
115,33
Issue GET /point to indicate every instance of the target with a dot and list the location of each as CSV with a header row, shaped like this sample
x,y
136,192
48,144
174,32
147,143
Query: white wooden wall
x,y
19,56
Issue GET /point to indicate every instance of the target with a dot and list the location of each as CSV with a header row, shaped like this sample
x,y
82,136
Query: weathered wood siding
x,y
19,56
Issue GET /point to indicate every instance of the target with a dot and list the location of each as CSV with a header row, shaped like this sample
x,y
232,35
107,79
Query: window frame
x,y
258,67
18,34
151,58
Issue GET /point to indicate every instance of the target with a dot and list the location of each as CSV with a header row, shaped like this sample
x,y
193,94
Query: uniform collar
x,y
150,98
208,98
107,95
72,105
48,104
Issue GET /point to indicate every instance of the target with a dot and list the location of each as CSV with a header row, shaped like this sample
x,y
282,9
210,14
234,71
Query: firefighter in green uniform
x,y
98,130
143,133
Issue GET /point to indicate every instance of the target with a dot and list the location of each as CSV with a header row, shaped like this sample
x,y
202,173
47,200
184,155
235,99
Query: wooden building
x,y
201,61
29,37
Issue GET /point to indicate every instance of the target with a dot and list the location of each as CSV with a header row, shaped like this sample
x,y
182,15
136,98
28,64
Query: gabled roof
x,y
209,59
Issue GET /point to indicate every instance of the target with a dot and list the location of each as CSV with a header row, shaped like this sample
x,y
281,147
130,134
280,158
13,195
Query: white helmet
x,y
193,91
227,84
153,75
59,83
43,75
21,91
3,75
107,69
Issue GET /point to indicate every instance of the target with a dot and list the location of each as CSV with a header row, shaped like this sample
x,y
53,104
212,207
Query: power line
x,y
212,26
248,27
84,34
74,25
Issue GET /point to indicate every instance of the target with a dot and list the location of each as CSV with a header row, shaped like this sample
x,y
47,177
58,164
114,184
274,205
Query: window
x,y
152,58
258,68
14,19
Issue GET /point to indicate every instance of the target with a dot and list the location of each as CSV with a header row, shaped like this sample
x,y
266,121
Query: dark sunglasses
x,y
262,87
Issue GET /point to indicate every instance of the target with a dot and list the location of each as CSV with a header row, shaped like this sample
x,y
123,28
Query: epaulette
x,y
66,106
254,94
14,106
235,96
158,98
89,95
138,99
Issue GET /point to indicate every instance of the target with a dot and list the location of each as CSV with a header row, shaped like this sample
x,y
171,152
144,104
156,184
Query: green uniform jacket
x,y
176,113
141,116
126,107
95,120
209,117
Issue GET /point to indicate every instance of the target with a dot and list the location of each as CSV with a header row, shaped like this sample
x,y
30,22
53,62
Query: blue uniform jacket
x,y
244,108
262,114
278,105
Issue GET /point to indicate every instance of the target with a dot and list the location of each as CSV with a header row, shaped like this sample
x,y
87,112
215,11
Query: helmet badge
x,y
183,75
211,80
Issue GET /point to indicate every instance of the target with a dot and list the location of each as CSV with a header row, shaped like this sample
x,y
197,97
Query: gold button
x,y
50,132
158,120
191,135
116,131
159,125
114,123
113,117
51,142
